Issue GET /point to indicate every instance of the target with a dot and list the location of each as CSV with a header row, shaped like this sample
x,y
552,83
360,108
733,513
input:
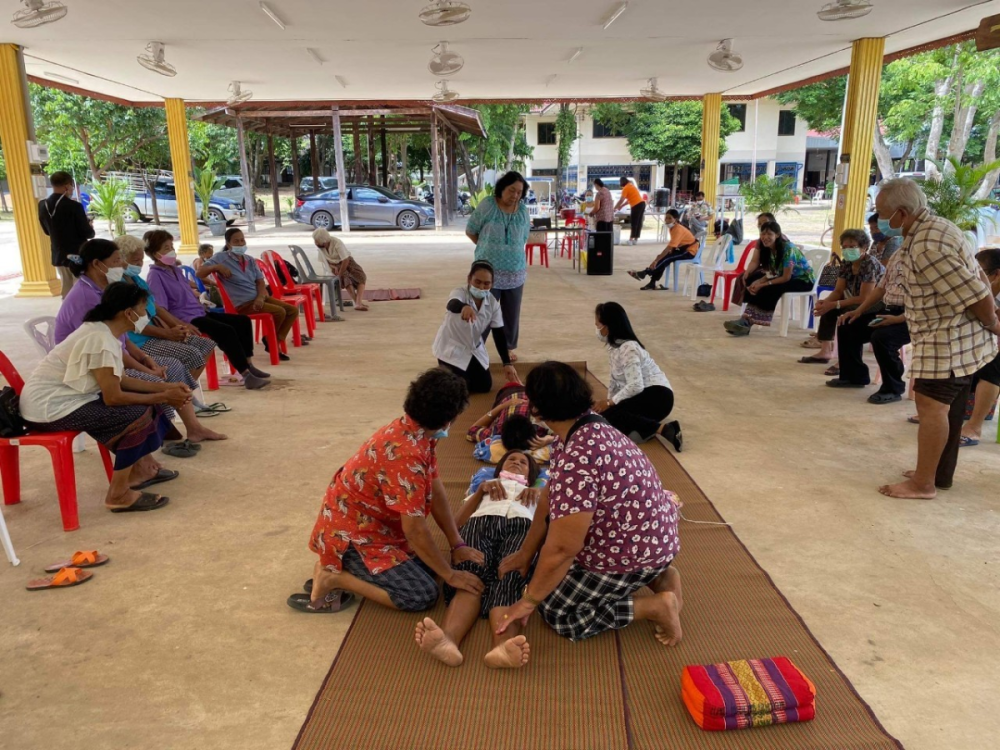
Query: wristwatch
x,y
528,597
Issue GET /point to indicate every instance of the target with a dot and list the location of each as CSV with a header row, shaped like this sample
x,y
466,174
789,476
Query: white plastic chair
x,y
712,259
8,546
790,301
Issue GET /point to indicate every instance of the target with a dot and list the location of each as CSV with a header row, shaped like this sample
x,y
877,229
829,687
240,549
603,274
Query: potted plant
x,y
205,184
768,194
110,200
953,196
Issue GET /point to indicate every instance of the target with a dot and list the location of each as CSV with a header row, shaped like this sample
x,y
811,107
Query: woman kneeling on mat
x,y
460,344
495,519
81,386
612,527
372,535
639,397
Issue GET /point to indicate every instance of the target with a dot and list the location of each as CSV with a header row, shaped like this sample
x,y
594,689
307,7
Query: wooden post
x,y
295,164
245,174
274,180
372,176
338,150
454,169
358,161
436,167
448,191
385,155
314,157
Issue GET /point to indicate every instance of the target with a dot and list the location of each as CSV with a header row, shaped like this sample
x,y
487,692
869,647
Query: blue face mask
x,y
133,270
440,434
239,249
888,231
878,237
479,293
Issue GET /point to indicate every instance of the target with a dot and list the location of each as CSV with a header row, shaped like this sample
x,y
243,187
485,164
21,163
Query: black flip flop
x,y
163,475
813,361
308,586
336,601
182,449
672,433
884,398
146,501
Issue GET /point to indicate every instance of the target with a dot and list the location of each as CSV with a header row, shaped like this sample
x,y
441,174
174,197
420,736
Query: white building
x,y
772,137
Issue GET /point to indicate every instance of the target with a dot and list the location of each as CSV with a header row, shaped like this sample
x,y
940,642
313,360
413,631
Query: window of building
x,y
739,111
546,134
606,131
786,122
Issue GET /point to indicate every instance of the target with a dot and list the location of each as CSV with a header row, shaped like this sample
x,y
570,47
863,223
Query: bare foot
x,y
512,654
670,580
513,356
361,308
205,434
432,640
666,618
908,490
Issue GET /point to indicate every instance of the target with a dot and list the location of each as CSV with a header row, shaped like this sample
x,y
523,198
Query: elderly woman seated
x,y
82,385
343,264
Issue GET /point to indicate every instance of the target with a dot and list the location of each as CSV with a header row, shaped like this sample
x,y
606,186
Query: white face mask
x,y
601,336
141,322
115,274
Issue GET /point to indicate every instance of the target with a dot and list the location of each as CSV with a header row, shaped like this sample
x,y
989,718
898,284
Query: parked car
x,y
873,190
222,209
325,183
367,206
232,188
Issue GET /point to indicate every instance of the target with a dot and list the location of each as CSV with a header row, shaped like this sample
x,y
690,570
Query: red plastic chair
x,y
543,253
58,444
313,291
263,322
728,278
299,300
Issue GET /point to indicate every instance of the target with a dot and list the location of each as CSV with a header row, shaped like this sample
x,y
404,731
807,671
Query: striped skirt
x,y
193,352
496,537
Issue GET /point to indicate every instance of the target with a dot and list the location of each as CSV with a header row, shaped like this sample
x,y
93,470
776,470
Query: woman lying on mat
x,y
82,386
509,406
639,397
372,535
495,519
518,435
342,264
612,527
460,344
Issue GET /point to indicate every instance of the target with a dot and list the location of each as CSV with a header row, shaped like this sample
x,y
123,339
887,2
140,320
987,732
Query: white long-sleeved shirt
x,y
632,371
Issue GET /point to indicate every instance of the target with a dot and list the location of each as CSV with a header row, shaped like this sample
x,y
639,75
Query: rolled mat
x,y
617,691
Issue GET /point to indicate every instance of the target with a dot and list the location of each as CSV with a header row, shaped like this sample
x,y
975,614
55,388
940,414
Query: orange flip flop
x,y
63,579
85,559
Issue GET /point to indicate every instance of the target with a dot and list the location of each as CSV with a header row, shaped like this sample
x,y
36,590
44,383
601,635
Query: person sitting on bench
x,y
681,246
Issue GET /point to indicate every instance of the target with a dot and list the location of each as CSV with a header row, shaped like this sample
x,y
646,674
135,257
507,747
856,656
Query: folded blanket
x,y
747,693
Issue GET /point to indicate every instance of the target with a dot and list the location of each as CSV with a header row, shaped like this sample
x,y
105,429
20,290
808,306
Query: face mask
x,y
133,270
479,293
170,258
852,254
888,231
878,237
601,336
239,249
519,478
440,434
115,274
141,323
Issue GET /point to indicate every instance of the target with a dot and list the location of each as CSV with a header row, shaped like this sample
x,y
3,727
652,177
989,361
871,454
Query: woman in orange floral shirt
x,y
372,535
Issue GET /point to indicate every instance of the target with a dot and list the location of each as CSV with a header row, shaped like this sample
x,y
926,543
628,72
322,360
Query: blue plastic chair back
x,y
678,263
189,272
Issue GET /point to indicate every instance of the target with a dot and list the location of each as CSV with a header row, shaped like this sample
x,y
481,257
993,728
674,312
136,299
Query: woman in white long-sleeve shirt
x,y
640,397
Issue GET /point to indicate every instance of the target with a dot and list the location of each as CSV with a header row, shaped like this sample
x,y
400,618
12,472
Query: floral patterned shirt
x,y
870,271
391,476
634,526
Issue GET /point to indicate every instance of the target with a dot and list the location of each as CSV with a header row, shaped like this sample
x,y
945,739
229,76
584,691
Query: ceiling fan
x,y
38,13
445,13
724,58
844,10
237,95
652,92
445,62
154,60
444,93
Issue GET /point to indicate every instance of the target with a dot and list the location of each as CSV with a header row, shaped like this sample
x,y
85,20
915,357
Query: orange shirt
x,y
631,193
680,236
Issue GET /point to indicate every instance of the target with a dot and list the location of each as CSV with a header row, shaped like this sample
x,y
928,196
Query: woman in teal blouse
x,y
499,227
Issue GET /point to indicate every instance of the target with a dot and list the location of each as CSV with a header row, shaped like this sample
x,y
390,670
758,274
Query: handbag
x,y
704,290
11,422
739,289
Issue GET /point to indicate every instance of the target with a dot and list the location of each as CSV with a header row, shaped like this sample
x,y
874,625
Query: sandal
x,y
218,407
811,344
146,501
833,371
163,475
671,431
182,449
232,380
334,602
967,442
884,398
89,559
810,360
915,419
65,578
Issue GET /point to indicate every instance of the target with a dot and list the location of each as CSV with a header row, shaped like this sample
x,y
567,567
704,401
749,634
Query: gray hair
x,y
321,237
903,193
130,246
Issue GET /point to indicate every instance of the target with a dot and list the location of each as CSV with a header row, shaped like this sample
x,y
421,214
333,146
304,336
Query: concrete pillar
x,y
15,131
180,159
860,115
711,133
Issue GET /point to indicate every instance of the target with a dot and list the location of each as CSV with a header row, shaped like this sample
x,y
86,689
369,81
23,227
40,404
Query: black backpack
x,y
11,422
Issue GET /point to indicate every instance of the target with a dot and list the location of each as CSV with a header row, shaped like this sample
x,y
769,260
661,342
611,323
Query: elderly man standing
x,y
953,322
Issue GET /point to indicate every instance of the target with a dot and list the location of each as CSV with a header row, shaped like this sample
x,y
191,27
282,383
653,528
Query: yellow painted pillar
x,y
180,158
15,131
860,116
711,123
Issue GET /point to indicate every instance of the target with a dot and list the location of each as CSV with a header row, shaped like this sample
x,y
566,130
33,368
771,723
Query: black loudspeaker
x,y
541,223
600,249
661,198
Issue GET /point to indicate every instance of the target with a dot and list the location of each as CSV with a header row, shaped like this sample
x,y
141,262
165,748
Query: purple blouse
x,y
173,293
82,298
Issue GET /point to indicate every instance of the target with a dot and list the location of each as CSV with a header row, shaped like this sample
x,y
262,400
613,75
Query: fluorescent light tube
x,y
579,51
614,16
273,16
314,55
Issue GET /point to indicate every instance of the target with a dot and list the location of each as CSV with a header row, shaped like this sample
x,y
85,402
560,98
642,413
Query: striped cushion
x,y
747,693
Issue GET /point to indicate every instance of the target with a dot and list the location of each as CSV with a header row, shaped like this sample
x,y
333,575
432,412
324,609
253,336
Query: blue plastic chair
x,y
189,272
678,263
812,301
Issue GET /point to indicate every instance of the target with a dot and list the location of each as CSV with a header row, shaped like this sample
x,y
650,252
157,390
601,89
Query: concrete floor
x,y
184,641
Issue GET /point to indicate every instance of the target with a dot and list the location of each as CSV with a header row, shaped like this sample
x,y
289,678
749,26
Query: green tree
x,y
504,147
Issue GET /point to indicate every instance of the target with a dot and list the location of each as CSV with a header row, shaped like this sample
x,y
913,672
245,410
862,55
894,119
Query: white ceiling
x,y
511,47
